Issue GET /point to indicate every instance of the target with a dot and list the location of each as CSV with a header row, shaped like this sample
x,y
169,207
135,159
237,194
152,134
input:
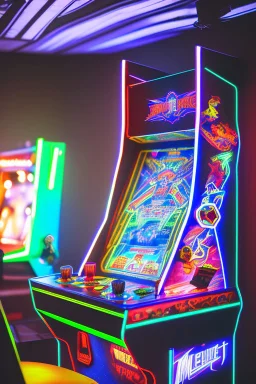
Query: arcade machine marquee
x,y
156,299
30,197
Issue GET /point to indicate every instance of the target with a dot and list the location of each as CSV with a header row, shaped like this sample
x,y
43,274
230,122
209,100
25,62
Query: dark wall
x,y
77,100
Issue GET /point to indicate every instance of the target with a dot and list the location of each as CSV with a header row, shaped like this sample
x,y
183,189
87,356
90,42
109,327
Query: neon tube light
x,y
15,163
16,152
52,177
221,260
162,77
143,32
26,16
240,11
84,328
42,22
63,36
197,126
179,316
41,317
10,332
124,324
75,6
78,302
236,237
116,170
65,342
39,151
171,366
138,78
183,132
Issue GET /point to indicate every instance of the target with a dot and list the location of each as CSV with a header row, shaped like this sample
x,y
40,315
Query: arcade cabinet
x,y
156,299
30,198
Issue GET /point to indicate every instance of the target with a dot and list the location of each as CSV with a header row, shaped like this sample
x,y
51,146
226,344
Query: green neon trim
x,y
124,324
25,253
162,77
84,328
108,311
237,225
58,342
53,168
180,315
171,355
9,332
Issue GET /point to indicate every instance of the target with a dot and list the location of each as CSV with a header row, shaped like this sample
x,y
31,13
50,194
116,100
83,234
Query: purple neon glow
x,y
197,126
138,78
75,6
123,85
3,8
144,32
197,360
117,27
240,11
64,36
28,13
53,11
14,18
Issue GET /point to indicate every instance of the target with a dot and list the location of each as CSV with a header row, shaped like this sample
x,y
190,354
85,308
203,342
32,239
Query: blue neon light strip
x,y
171,356
124,324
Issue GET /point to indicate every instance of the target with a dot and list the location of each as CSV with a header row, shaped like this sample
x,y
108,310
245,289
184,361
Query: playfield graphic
x,y
149,220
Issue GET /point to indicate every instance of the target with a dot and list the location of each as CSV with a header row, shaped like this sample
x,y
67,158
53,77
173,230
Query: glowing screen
x,y
151,213
16,196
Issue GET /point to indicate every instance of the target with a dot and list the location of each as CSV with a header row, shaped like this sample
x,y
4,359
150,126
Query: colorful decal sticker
x,y
124,365
220,135
203,267
180,306
200,360
172,107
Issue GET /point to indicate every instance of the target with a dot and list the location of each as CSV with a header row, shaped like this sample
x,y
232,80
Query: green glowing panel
x,y
45,208
84,328
78,302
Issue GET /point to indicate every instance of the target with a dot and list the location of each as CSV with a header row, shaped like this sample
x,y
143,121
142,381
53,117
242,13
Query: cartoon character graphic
x,y
219,134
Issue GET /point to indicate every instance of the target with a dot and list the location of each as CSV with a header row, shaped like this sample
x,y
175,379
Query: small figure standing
x,y
48,255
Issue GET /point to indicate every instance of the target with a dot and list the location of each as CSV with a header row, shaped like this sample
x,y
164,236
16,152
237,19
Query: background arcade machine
x,y
164,304
30,197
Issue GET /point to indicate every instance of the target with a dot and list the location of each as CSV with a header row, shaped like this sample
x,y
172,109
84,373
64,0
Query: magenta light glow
x,y
123,85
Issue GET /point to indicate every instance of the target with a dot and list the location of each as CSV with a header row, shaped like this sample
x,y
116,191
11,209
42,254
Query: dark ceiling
x,y
99,26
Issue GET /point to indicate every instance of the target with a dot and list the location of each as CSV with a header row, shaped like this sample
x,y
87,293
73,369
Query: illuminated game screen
x,y
151,213
16,197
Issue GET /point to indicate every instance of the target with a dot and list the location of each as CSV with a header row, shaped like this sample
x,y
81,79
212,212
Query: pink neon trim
x,y
116,170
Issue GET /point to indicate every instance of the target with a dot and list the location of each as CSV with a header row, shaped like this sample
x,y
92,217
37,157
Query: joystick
x,y
118,287
66,272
